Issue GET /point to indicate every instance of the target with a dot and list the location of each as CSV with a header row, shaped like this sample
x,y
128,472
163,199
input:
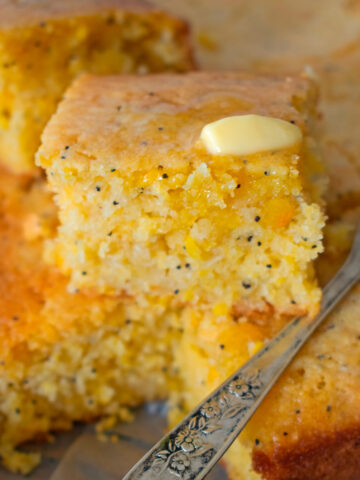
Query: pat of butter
x,y
246,134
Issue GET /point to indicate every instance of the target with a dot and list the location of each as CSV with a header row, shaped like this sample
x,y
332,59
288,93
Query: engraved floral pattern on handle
x,y
192,442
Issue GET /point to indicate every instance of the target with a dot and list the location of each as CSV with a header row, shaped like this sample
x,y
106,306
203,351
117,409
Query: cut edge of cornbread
x,y
44,47
117,364
308,426
146,211
28,217
65,357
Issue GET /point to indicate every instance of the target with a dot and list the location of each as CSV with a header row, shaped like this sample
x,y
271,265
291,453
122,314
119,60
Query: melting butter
x,y
246,134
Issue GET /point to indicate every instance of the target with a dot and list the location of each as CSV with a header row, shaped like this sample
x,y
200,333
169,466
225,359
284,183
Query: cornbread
x,y
248,34
147,212
309,425
76,356
280,36
69,357
65,357
45,44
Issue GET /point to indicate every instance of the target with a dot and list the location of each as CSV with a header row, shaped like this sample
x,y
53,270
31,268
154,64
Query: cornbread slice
x,y
45,44
147,212
65,357
308,427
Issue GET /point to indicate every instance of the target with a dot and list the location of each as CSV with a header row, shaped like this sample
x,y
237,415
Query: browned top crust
x,y
115,117
21,13
331,456
308,428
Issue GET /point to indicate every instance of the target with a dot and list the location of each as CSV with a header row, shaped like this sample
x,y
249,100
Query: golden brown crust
x,y
308,428
112,105
330,457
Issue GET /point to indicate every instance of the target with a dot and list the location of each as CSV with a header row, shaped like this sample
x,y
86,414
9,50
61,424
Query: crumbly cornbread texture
x,y
146,211
65,357
283,30
45,44
276,36
309,425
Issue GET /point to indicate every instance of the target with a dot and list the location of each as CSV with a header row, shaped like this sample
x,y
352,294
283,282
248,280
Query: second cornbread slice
x,y
45,44
147,211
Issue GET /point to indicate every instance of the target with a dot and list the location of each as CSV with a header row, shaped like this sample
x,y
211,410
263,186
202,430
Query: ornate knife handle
x,y
194,446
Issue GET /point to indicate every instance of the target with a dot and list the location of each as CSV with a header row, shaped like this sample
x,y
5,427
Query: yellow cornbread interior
x,y
218,345
66,357
70,356
118,359
303,415
37,63
225,232
77,356
217,248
